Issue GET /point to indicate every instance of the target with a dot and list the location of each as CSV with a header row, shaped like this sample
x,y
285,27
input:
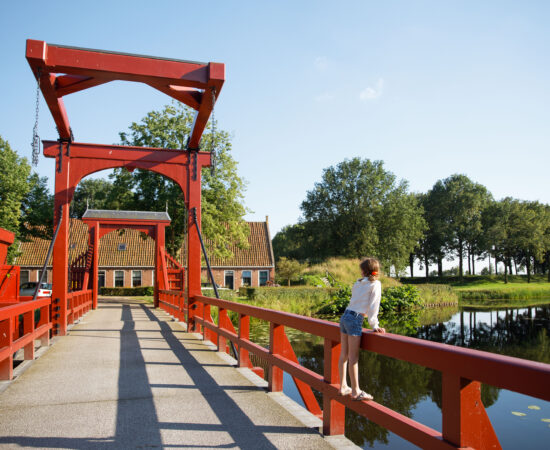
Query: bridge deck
x,y
127,376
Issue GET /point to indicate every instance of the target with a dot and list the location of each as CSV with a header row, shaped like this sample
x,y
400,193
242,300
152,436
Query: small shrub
x,y
127,291
338,301
312,280
399,298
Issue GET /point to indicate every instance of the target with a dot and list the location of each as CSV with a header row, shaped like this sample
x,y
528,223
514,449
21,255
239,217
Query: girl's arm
x,y
374,306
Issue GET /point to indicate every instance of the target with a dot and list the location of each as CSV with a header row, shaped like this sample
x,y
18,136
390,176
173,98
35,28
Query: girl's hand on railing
x,y
379,330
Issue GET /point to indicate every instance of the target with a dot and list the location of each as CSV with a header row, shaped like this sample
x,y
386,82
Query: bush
x,y
338,301
393,299
399,298
127,292
312,280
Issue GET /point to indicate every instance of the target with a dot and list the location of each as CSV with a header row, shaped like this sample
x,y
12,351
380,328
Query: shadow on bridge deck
x,y
127,376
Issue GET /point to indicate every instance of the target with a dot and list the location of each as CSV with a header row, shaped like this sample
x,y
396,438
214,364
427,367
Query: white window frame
x,y
260,277
114,278
242,277
140,278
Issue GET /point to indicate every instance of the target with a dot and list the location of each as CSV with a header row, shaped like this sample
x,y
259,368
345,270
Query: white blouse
x,y
365,299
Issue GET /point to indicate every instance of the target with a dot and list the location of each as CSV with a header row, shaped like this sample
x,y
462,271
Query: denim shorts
x,y
351,323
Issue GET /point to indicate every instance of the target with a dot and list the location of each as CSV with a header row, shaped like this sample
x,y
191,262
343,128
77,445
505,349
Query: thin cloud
x,y
321,63
371,93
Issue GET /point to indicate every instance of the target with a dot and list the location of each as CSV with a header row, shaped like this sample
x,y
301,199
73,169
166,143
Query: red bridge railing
x,y
78,304
174,303
464,420
15,335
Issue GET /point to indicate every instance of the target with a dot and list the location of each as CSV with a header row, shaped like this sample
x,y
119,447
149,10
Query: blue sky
x,y
431,88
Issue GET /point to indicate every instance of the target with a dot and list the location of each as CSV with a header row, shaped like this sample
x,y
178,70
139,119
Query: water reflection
x,y
415,391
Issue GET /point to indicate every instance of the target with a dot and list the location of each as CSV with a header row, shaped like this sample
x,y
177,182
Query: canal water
x,y
519,421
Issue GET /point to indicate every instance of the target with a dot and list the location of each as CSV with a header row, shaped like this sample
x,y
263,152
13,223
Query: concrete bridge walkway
x,y
128,376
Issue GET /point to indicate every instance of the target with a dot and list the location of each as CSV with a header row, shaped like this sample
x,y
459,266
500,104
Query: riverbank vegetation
x,y
358,208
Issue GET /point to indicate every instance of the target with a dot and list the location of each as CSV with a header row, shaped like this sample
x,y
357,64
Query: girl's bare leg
x,y
353,363
342,363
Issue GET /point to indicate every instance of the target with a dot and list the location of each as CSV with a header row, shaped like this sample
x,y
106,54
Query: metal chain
x,y
35,144
213,137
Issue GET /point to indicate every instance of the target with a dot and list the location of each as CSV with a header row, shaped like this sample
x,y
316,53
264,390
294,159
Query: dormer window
x,y
122,247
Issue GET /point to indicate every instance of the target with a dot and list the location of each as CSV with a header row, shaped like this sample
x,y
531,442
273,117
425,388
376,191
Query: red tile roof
x,y
141,252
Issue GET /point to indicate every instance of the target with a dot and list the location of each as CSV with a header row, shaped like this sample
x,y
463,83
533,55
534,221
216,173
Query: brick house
x,y
126,258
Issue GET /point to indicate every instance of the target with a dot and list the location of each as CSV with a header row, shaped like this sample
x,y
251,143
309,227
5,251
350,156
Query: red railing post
x,y
276,347
334,413
44,319
6,339
465,421
222,343
28,328
244,333
205,315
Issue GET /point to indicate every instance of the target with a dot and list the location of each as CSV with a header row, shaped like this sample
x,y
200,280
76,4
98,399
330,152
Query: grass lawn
x,y
497,289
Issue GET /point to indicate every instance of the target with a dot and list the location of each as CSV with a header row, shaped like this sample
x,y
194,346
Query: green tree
x,y
431,247
222,191
291,242
359,209
95,193
289,269
460,202
37,210
14,173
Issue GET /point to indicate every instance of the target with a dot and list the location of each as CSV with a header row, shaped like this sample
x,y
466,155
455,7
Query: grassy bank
x,y
483,304
437,295
303,300
500,290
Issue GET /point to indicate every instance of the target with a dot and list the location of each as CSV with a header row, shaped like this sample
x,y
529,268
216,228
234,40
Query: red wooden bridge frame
x,y
63,70
100,226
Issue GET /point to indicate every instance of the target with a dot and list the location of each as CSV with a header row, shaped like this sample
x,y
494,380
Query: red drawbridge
x,y
65,70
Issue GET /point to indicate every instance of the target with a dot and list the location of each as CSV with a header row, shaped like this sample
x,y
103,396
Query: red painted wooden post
x,y
61,247
44,319
205,316
465,421
159,244
6,339
244,333
28,327
193,242
334,413
276,346
222,342
94,237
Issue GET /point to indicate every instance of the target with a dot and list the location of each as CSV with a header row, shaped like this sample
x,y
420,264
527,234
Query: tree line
x,y
26,204
359,208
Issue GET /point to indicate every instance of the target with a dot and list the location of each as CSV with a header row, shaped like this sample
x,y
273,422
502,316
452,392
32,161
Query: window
x,y
247,278
24,277
100,278
136,278
122,247
119,278
264,277
229,279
